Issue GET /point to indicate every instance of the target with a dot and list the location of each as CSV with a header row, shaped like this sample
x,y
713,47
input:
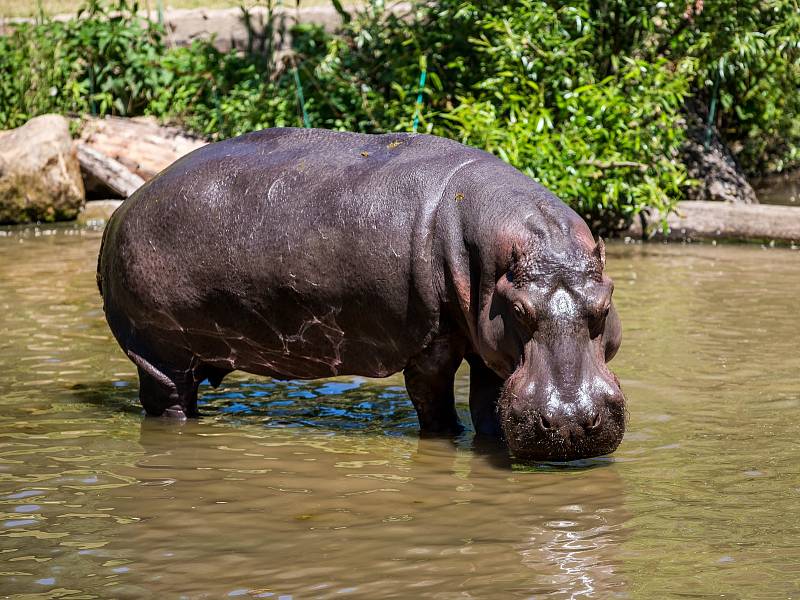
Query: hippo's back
x,y
250,251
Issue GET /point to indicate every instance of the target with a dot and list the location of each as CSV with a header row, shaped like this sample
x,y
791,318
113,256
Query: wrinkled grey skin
x,y
303,254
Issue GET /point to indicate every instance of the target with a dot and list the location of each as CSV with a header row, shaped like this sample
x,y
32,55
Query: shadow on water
x,y
114,397
334,405
325,406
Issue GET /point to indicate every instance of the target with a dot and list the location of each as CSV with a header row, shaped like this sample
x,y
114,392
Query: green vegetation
x,y
588,97
92,64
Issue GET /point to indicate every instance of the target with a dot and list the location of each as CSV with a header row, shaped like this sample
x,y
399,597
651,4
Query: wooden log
x,y
108,172
723,221
140,144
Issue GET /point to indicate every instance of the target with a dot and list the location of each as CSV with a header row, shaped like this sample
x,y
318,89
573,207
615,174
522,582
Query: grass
x,y
25,8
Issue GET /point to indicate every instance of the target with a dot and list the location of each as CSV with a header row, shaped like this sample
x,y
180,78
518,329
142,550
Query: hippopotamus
x,y
308,253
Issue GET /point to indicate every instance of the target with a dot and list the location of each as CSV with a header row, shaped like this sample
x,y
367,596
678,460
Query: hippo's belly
x,y
293,339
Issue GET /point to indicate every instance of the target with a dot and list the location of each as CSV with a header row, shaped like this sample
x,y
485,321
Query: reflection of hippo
x,y
309,253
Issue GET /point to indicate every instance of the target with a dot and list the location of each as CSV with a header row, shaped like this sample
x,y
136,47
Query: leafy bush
x,y
220,94
521,80
749,51
99,63
748,57
589,96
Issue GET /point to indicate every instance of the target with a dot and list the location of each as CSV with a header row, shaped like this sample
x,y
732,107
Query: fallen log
x,y
140,144
722,221
101,171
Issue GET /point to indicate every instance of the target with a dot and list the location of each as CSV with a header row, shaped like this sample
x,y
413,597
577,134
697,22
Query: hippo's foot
x,y
175,413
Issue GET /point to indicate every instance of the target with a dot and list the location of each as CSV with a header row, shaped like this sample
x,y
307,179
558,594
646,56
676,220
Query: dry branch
x,y
614,164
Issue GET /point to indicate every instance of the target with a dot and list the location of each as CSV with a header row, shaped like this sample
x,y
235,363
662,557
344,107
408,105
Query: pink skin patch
x,y
584,236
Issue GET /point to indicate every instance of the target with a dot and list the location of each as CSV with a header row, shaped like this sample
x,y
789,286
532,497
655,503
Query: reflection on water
x,y
323,489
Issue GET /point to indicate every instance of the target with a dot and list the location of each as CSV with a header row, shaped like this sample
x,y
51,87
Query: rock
x,y
40,178
227,28
714,167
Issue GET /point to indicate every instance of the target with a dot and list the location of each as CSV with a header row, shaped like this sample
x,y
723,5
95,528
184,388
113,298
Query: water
x,y
778,189
324,489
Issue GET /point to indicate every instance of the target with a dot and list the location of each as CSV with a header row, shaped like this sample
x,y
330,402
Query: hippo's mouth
x,y
529,436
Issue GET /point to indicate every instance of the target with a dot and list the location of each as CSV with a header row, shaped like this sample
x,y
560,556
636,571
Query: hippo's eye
x,y
597,321
524,316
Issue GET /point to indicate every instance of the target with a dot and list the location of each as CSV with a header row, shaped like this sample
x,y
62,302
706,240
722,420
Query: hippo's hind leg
x,y
429,380
166,391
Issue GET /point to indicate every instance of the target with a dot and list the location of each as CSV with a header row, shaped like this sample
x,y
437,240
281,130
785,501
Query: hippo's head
x,y
549,329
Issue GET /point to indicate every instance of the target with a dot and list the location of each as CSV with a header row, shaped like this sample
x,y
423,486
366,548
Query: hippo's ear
x,y
511,272
600,253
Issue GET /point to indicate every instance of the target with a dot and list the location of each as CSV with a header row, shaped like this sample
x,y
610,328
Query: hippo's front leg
x,y
484,390
429,380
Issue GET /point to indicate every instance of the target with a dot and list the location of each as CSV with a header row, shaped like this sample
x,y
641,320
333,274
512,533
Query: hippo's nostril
x,y
595,423
544,423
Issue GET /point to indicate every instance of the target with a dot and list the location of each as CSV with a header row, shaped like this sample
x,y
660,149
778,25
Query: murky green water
x,y
324,489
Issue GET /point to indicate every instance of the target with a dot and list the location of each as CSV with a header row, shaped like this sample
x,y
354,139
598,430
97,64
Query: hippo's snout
x,y
541,424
